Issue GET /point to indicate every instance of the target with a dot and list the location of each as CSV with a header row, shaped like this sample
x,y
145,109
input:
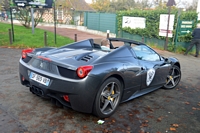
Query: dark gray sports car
x,y
88,79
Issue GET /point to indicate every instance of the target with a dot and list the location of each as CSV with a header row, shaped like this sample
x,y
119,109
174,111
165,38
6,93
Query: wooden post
x,y
45,38
10,36
75,37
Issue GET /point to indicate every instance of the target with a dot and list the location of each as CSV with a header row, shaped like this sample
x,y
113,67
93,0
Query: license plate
x,y
40,79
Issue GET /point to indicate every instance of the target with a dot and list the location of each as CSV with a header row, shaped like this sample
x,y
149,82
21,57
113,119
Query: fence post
x,y
45,38
10,36
108,32
75,37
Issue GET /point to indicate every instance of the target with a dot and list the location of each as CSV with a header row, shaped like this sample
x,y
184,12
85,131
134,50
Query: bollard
x,y
10,36
75,37
45,38
108,32
142,39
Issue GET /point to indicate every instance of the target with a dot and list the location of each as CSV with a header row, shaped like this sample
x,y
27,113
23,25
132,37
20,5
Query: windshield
x,y
143,52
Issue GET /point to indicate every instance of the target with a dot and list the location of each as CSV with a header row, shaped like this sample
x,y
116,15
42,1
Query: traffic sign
x,y
21,4
186,27
34,3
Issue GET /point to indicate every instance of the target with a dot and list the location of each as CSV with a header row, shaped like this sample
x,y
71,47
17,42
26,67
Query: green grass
x,y
23,37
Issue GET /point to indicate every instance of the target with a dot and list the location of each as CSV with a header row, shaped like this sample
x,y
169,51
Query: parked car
x,y
88,79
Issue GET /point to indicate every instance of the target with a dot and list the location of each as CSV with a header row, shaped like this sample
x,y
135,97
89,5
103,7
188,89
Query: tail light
x,y
83,71
25,51
66,98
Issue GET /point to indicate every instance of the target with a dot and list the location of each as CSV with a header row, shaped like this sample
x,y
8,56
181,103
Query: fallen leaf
x,y
175,125
187,103
128,128
194,108
159,119
144,125
84,126
191,113
141,131
121,116
172,129
113,121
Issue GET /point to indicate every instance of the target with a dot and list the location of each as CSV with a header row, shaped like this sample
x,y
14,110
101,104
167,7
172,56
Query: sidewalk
x,y
71,33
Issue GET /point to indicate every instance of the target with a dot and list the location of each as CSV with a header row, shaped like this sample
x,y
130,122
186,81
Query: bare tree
x,y
192,6
24,16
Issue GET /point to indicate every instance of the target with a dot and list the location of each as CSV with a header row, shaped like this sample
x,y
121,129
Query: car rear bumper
x,y
81,92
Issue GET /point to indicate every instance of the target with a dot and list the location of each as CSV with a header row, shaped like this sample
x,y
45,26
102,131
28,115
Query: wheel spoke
x,y
105,105
172,80
105,95
112,87
115,95
177,76
112,105
168,81
172,71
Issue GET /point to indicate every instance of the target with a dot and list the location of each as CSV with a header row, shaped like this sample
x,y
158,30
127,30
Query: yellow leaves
x,y
173,127
101,5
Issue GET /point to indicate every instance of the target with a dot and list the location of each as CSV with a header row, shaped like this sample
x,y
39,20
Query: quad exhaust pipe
x,y
37,91
40,92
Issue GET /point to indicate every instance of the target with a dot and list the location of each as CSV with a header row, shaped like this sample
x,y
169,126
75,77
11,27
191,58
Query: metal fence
x,y
100,21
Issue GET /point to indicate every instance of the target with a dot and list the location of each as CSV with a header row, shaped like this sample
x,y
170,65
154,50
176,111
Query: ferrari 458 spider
x,y
88,79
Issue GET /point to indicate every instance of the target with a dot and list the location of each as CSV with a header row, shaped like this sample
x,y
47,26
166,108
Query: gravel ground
x,y
158,112
161,111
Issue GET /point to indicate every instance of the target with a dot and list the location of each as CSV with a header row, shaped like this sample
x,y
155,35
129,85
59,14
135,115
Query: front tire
x,y
108,98
173,78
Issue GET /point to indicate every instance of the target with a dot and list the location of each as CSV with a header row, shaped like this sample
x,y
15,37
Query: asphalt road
x,y
162,111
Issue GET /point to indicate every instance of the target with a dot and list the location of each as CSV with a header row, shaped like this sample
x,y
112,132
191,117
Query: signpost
x,y
32,3
169,4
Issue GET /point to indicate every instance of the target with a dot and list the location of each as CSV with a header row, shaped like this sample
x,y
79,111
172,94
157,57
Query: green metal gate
x,y
100,21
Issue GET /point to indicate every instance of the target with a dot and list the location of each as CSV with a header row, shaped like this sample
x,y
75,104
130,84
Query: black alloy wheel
x,y
108,98
173,78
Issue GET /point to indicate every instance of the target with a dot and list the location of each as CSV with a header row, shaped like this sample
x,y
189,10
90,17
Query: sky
x,y
177,1
90,1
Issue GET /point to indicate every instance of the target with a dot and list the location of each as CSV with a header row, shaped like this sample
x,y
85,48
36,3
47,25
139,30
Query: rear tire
x,y
108,98
173,78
